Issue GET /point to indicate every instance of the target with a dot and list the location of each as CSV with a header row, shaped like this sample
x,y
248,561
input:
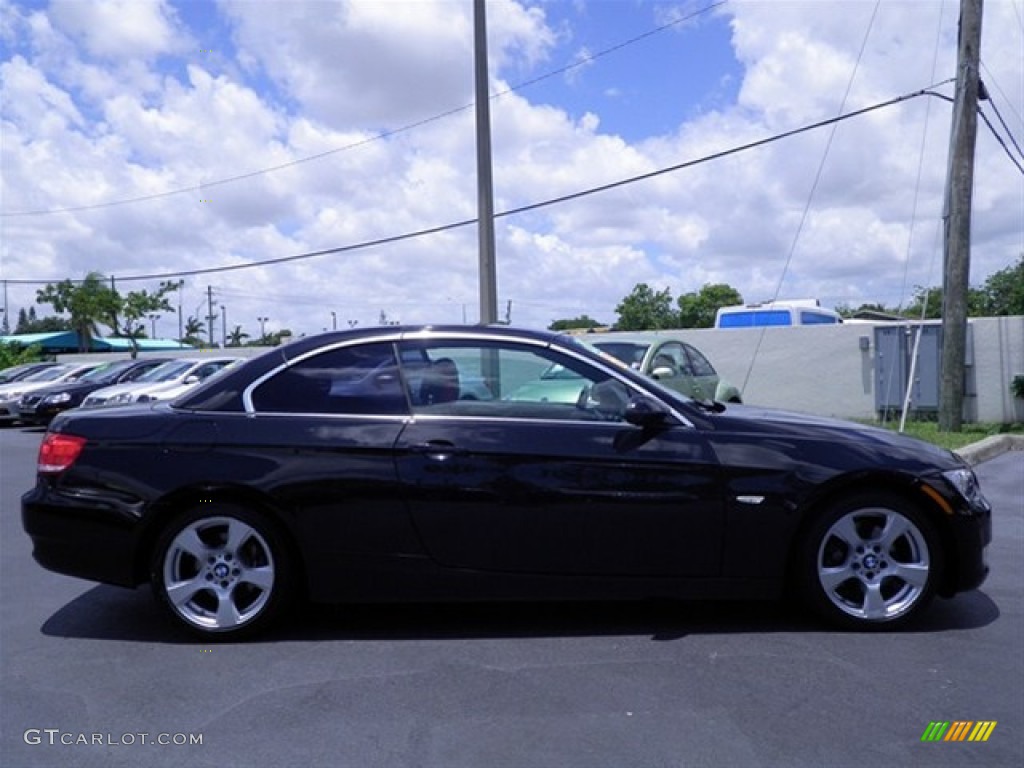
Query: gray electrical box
x,y
894,348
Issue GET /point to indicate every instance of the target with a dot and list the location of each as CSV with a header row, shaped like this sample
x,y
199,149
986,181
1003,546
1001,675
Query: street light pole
x,y
152,321
334,321
263,329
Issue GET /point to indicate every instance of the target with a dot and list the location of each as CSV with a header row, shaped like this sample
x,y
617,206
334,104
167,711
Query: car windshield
x,y
629,352
48,374
167,371
103,370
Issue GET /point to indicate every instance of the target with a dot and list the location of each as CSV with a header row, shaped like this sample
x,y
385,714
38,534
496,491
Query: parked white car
x,y
172,390
47,377
182,373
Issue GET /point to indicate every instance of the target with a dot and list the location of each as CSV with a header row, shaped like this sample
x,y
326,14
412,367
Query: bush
x,y
1017,386
16,354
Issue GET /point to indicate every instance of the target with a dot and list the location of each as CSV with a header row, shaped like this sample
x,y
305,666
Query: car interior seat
x,y
441,382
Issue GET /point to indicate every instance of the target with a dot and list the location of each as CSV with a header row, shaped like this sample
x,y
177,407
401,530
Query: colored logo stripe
x,y
958,730
982,730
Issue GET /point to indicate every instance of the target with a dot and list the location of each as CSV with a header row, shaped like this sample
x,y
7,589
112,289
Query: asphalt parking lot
x,y
94,676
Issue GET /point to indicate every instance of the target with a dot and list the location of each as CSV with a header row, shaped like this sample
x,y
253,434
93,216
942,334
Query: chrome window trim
x,y
476,334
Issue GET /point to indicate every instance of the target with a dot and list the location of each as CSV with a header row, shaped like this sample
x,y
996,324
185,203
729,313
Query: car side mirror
x,y
191,379
662,372
644,411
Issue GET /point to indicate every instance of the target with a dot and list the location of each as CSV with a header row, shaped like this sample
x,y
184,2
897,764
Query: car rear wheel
x,y
222,571
871,562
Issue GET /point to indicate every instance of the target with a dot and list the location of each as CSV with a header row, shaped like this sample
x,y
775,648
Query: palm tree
x,y
194,329
237,336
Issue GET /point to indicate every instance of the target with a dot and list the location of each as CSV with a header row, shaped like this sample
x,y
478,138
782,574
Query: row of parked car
x,y
34,393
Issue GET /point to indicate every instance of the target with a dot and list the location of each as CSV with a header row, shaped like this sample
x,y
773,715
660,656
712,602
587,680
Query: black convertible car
x,y
399,464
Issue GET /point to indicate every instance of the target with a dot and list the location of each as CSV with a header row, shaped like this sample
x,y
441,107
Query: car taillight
x,y
58,452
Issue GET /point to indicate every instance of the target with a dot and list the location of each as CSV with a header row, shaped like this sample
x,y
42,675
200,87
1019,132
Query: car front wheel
x,y
222,571
871,562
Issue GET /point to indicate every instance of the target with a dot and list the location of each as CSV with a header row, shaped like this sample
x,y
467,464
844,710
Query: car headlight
x,y
60,397
966,484
124,397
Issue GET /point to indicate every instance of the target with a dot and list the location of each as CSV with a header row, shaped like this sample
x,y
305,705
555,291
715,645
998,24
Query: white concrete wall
x,y
824,370
998,357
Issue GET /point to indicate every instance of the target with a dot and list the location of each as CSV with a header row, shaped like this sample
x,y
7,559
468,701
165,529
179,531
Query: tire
x,y
222,571
870,562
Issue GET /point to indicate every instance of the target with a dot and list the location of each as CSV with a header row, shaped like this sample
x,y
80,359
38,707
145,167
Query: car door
x,y
318,437
704,375
525,483
668,363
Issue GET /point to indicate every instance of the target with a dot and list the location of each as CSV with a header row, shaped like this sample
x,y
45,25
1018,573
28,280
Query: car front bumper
x,y
968,536
40,413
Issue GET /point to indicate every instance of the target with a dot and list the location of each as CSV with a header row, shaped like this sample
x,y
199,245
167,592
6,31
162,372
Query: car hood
x,y
826,440
73,387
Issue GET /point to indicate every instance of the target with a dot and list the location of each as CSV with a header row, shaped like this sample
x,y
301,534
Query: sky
x,y
153,140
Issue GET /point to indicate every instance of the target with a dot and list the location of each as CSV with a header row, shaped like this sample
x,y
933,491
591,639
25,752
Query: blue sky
x,y
657,79
326,109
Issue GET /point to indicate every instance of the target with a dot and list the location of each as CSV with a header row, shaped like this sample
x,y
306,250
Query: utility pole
x,y
957,242
484,182
209,312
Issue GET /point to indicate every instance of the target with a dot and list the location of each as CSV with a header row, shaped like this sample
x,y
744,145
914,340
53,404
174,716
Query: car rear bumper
x,y
80,538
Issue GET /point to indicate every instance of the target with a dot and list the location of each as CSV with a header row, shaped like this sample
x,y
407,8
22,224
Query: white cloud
x,y
118,29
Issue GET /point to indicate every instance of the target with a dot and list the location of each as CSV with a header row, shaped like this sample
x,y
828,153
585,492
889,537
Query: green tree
x,y
933,308
698,309
29,323
1004,291
134,306
847,311
644,309
237,337
583,321
89,302
194,329
16,354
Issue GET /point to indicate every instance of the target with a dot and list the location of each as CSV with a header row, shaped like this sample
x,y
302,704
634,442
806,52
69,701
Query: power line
x,y
522,209
377,137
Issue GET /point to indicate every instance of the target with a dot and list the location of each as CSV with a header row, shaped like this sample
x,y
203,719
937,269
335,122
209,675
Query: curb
x,y
990,447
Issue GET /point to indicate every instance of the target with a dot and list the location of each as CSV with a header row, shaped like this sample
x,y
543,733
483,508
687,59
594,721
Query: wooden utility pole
x,y
957,249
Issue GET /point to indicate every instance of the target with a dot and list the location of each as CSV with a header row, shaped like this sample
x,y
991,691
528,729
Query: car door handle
x,y
438,450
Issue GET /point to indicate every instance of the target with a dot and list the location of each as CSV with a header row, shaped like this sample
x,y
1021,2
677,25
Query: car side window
x,y
204,372
671,355
502,380
353,380
701,365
